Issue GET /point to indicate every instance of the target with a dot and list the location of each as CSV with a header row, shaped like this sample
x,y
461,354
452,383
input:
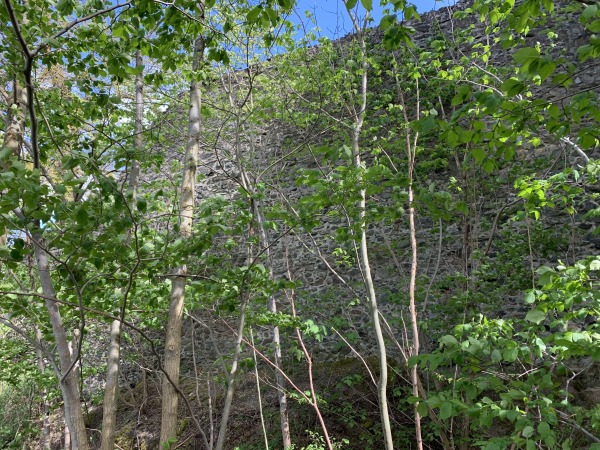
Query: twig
x,y
357,354
577,426
495,225
435,271
260,406
576,147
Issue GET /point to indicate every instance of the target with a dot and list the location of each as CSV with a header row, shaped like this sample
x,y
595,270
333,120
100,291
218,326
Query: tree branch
x,y
68,27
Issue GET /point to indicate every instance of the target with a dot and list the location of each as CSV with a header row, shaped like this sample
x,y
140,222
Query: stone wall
x,y
274,151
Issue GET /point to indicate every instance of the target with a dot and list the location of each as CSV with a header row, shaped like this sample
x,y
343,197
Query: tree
x,y
391,157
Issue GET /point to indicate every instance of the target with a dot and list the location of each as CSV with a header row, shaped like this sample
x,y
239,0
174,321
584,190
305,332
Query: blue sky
x,y
333,21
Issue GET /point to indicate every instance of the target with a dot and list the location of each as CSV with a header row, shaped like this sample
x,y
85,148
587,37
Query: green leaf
x,y
510,354
253,14
544,429
413,360
529,297
82,217
424,125
449,340
16,255
496,356
70,163
495,446
387,21
478,154
395,36
589,12
422,409
587,139
5,153
367,4
594,27
285,4
471,391
489,166
141,205
528,431
536,316
351,3
512,87
446,410
527,57
546,68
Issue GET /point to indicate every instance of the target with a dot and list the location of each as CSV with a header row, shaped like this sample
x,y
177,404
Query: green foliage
x,y
318,442
477,126
512,372
17,413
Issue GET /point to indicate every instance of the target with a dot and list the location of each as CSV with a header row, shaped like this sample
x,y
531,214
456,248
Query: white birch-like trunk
x,y
364,248
414,372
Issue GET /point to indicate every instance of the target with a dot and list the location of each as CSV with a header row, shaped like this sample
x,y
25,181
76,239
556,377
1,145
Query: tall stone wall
x,y
273,152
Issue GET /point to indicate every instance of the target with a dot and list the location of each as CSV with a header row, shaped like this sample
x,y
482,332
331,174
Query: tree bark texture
x,y
13,134
111,392
15,124
170,400
68,382
45,408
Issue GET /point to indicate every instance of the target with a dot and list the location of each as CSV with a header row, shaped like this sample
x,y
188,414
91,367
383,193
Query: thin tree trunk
x,y
13,139
313,401
272,305
68,382
381,348
73,346
411,146
280,384
411,149
111,392
13,134
232,374
412,306
260,405
364,248
170,399
245,297
45,408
